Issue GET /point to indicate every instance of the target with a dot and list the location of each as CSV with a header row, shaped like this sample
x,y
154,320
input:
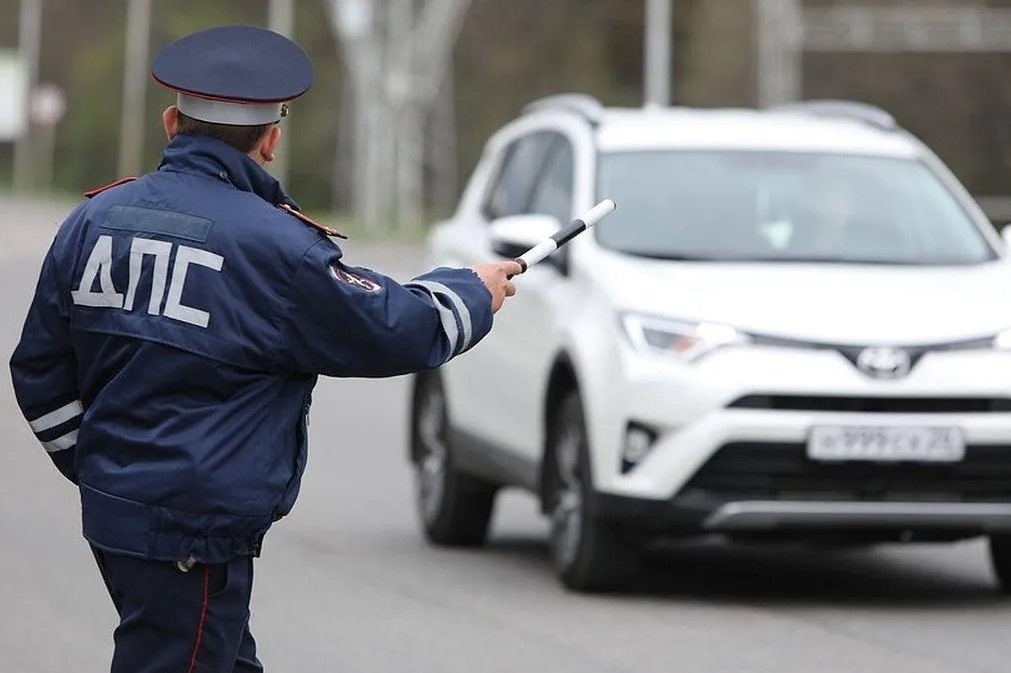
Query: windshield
x,y
748,206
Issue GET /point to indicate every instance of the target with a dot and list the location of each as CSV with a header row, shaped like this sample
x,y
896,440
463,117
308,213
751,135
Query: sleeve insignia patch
x,y
358,282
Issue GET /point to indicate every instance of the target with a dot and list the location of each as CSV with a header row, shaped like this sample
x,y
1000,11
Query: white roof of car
x,y
746,129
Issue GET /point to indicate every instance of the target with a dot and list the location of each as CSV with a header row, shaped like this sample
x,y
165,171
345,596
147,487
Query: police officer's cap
x,y
234,75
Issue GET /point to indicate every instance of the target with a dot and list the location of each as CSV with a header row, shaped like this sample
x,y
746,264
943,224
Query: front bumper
x,y
732,430
775,488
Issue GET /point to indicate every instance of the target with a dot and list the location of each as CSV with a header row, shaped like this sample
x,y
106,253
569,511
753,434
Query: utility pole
x,y
281,19
29,38
657,51
780,41
354,25
135,74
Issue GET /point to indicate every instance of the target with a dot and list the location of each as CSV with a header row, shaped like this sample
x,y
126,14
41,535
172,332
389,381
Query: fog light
x,y
638,442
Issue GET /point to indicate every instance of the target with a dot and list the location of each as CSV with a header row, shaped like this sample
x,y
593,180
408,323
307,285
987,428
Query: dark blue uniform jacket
x,y
174,340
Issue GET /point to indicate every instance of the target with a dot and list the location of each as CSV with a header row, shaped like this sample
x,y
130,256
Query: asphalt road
x,y
346,584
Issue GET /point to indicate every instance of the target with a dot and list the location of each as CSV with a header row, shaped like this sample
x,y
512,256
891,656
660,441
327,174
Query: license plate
x,y
886,444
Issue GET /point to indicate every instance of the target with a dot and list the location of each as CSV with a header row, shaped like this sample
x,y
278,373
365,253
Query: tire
x,y
588,554
454,508
1000,559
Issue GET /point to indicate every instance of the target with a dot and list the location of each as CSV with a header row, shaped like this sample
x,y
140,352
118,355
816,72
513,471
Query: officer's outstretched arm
x,y
347,321
44,371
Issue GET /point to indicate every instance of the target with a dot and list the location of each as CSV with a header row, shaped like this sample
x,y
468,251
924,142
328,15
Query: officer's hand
x,y
495,277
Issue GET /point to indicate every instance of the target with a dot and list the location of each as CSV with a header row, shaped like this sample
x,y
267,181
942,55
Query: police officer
x,y
176,333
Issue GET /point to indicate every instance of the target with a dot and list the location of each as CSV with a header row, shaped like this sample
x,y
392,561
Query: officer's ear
x,y
170,120
268,144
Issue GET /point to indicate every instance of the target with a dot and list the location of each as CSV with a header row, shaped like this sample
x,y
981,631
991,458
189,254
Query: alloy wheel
x,y
431,474
567,514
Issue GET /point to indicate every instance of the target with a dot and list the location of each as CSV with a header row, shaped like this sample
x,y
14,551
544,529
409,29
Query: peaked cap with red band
x,y
234,75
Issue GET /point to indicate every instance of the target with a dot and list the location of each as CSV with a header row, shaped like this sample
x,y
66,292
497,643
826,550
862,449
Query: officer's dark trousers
x,y
180,622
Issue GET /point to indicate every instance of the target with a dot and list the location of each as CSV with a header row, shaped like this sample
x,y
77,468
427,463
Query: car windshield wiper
x,y
806,260
758,259
783,259
673,257
833,260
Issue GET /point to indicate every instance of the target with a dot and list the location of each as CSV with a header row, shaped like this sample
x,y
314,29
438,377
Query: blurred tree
x,y
508,53
957,103
397,54
512,52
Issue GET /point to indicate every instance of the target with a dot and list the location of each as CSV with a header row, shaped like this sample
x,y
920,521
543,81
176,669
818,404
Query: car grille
x,y
768,471
903,405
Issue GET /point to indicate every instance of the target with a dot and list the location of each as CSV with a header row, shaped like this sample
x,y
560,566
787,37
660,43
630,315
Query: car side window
x,y
520,168
553,191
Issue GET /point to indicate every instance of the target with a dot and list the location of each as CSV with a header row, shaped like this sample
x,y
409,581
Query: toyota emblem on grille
x,y
884,362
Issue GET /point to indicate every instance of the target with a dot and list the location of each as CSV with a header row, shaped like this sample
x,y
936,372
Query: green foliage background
x,y
510,52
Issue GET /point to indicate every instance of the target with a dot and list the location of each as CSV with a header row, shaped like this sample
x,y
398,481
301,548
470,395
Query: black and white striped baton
x,y
577,226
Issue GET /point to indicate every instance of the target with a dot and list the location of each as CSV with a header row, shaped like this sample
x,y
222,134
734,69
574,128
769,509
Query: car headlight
x,y
688,341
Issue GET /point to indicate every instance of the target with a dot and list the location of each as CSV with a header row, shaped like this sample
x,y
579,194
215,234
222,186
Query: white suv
x,y
796,326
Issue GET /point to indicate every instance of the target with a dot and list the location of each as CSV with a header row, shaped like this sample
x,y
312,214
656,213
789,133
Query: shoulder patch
x,y
99,190
339,272
329,231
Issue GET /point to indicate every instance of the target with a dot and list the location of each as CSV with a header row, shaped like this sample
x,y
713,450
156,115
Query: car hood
x,y
830,303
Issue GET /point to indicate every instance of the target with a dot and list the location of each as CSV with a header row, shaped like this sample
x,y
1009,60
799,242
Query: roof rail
x,y
584,105
844,109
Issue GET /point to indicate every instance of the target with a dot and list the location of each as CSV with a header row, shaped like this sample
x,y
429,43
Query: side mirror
x,y
513,235
1005,233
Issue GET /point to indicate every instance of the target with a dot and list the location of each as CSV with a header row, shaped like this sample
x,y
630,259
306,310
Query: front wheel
x,y
588,554
454,508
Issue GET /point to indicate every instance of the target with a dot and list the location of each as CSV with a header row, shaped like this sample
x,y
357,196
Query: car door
x,y
495,389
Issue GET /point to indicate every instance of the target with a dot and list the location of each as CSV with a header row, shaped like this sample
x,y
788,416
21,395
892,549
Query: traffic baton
x,y
576,227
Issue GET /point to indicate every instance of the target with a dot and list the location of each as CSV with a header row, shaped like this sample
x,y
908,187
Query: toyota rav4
x,y
795,327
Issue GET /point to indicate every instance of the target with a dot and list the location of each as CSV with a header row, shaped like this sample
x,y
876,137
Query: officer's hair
x,y
242,138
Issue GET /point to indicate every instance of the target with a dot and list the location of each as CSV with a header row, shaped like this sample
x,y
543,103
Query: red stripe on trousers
x,y
203,617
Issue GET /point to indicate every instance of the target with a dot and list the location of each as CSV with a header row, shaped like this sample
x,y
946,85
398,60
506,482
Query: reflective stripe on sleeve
x,y
447,318
54,418
67,441
458,305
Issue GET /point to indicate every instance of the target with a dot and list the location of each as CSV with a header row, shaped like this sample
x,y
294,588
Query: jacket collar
x,y
216,158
